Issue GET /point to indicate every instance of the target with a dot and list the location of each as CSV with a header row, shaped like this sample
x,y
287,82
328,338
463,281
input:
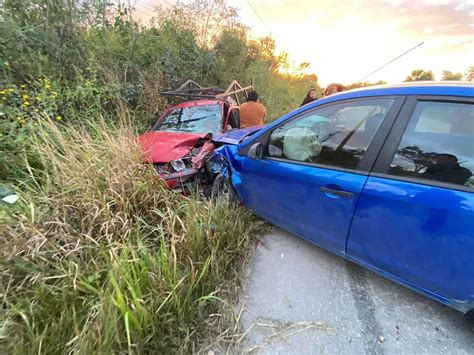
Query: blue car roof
x,y
432,88
436,88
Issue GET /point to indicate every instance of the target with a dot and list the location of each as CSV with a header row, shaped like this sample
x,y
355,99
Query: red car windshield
x,y
194,119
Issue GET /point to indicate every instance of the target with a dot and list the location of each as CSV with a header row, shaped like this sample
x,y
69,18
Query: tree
x,y
470,74
420,75
449,75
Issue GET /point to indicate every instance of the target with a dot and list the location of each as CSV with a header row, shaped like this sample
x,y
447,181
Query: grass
x,y
98,257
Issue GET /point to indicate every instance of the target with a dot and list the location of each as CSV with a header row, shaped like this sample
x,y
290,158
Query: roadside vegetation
x,y
97,256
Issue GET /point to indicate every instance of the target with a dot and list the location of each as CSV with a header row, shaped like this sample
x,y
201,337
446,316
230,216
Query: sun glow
x,y
346,40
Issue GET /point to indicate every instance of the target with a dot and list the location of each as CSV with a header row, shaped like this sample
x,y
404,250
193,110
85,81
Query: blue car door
x,y
314,167
415,217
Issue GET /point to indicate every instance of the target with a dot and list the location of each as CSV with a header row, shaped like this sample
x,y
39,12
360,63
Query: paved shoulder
x,y
301,299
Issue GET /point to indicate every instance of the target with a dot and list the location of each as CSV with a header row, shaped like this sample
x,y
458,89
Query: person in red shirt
x,y
252,112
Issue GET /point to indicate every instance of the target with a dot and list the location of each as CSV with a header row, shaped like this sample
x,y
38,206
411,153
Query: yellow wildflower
x,y
36,110
47,87
25,97
38,98
26,103
58,118
2,92
22,86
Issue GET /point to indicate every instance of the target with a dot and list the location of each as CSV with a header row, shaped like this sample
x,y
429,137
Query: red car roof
x,y
196,103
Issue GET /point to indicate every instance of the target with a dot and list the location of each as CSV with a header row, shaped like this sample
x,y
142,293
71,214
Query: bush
x,y
22,106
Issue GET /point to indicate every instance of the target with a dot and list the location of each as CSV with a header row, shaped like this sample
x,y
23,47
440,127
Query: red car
x,y
179,143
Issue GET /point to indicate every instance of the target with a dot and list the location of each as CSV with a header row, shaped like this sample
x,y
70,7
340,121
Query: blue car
x,y
381,176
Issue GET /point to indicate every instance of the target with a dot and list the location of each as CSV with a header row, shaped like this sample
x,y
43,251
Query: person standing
x,y
252,112
312,96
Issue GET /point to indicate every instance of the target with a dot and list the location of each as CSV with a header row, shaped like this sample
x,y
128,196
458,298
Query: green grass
x,y
98,257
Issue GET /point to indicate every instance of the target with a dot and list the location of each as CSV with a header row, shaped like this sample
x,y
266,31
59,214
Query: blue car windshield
x,y
194,119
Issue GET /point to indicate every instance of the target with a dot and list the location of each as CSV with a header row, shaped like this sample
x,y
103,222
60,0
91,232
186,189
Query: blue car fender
x,y
225,161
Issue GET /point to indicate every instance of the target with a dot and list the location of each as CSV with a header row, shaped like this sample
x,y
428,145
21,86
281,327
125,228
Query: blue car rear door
x,y
415,216
314,167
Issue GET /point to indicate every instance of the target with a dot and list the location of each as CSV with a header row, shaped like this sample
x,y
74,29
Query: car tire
x,y
470,316
222,189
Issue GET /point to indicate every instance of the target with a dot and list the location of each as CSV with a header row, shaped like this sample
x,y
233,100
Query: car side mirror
x,y
255,151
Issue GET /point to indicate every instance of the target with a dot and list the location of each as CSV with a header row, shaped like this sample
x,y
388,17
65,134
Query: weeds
x,y
99,257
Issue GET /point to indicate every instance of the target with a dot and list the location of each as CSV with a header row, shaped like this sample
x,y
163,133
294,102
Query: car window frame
x,y
384,160
365,165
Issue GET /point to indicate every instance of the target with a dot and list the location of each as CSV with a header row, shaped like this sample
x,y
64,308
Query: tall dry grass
x,y
99,257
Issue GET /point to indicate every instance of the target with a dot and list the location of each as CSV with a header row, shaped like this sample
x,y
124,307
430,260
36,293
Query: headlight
x,y
161,168
178,165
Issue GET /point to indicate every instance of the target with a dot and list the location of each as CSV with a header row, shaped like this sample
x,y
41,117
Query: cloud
x,y
438,17
344,39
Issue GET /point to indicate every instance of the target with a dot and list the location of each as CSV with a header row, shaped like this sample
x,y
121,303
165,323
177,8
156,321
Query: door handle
x,y
341,193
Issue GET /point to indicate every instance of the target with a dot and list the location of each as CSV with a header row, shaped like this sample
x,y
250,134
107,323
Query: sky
x,y
346,40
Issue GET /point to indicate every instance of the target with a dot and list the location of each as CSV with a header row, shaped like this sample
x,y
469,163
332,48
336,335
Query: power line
x,y
394,59
146,6
168,3
151,8
145,9
142,11
261,20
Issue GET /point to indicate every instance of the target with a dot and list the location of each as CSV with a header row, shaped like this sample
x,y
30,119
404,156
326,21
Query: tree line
x,y
424,75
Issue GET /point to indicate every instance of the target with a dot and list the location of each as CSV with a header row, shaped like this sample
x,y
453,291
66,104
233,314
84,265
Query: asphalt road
x,y
301,299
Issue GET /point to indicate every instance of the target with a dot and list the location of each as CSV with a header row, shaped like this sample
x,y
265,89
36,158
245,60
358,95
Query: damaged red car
x,y
179,143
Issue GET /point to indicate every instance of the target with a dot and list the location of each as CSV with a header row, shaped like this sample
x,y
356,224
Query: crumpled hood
x,y
162,147
236,135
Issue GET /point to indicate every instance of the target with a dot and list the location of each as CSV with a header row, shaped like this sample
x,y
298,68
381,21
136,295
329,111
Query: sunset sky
x,y
345,40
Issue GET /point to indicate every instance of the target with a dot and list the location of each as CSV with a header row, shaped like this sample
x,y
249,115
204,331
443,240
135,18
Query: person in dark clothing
x,y
312,96
447,169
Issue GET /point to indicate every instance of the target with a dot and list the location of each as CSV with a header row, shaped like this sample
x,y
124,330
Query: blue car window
x,y
438,144
336,135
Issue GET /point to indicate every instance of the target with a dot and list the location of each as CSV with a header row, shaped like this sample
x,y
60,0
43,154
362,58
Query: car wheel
x,y
222,189
470,316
